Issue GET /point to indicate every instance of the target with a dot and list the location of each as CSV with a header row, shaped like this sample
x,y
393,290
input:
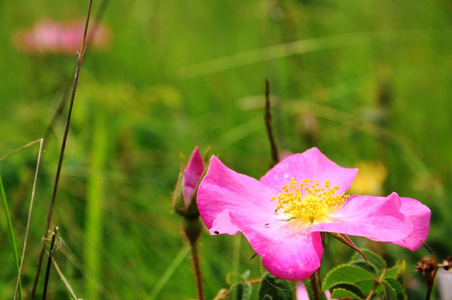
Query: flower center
x,y
308,200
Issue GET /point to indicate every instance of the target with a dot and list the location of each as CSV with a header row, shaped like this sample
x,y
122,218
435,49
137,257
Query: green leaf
x,y
368,285
275,288
396,286
352,288
373,259
241,291
390,293
346,274
368,267
343,293
392,272
397,271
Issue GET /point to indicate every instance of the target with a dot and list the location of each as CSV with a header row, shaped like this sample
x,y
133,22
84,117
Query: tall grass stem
x,y
94,204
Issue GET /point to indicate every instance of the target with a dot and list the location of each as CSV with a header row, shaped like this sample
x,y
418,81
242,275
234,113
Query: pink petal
x,y
419,215
192,174
224,223
311,164
302,292
287,254
376,218
245,198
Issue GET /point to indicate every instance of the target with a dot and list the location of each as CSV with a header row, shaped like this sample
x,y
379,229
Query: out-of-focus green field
x,y
363,81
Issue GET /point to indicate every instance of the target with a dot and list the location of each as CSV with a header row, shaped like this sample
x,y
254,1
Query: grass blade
x,y
11,232
169,272
94,203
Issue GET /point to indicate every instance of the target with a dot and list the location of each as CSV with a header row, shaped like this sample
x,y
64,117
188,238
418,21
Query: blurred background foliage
x,y
366,82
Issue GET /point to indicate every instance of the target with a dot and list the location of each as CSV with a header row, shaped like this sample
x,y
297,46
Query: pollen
x,y
309,200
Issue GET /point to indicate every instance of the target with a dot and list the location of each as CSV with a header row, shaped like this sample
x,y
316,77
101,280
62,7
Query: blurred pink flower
x,y
284,212
49,36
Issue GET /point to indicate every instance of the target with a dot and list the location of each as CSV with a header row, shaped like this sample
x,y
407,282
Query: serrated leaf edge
x,y
325,287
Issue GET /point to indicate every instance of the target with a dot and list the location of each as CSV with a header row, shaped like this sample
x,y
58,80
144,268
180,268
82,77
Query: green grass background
x,y
372,81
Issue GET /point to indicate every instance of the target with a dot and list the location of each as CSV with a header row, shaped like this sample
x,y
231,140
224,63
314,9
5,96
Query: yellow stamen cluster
x,y
308,200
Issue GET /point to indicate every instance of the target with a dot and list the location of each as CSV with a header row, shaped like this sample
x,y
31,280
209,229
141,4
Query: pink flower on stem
x,y
284,212
184,203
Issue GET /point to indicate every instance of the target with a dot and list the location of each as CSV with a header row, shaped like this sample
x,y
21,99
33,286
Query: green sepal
x,y
192,229
178,194
192,211
342,237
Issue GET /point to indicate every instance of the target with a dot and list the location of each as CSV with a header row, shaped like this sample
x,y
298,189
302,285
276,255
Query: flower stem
x,y
429,293
316,285
197,269
192,230
376,284
431,274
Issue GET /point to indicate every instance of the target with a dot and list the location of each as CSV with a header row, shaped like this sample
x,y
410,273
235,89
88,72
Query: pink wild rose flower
x,y
284,212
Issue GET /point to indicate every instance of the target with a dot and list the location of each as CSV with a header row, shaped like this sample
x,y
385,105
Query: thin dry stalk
x,y
81,54
268,124
30,210
63,278
49,262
